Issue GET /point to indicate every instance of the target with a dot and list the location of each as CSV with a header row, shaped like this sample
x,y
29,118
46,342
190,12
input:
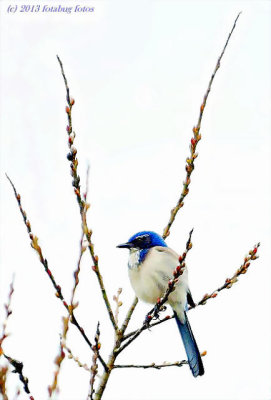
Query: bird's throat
x,y
137,256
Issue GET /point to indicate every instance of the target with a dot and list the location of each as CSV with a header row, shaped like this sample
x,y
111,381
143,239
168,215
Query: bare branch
x,y
128,316
94,367
116,298
194,141
230,281
44,262
153,365
18,369
4,369
73,357
82,203
59,358
8,313
158,366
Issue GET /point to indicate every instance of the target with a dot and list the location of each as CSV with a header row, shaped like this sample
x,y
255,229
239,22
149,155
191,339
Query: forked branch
x,y
194,141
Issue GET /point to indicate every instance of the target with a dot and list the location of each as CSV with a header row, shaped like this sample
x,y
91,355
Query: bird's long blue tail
x,y
190,345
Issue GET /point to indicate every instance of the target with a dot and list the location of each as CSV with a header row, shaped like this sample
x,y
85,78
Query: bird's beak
x,y
125,245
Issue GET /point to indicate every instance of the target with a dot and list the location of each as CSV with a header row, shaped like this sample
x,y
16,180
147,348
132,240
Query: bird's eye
x,y
142,238
141,241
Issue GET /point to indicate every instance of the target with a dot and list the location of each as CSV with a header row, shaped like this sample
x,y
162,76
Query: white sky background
x,y
138,72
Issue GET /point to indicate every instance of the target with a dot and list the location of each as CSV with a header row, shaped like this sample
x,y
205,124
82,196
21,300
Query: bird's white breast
x,y
149,279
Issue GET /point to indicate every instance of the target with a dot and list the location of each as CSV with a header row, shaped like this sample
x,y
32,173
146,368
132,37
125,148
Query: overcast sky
x,y
138,71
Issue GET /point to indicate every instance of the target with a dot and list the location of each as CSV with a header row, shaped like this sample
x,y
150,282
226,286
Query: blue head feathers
x,y
144,240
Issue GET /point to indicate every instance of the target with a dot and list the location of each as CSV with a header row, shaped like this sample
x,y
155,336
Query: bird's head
x,y
144,240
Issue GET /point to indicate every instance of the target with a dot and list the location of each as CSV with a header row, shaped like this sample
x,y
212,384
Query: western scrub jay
x,y
151,265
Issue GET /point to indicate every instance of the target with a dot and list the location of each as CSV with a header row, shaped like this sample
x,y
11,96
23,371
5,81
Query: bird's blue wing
x,y
190,345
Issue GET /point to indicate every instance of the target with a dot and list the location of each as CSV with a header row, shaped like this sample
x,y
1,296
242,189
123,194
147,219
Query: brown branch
x,y
82,203
158,366
116,298
230,281
94,367
59,358
18,369
128,316
153,365
44,262
73,357
194,141
8,313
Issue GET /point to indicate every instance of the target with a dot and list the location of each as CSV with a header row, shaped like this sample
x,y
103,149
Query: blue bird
x,y
151,265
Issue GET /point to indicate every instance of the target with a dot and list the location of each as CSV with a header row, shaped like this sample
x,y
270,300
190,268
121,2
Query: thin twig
x,y
18,369
73,357
94,367
59,358
128,316
82,204
4,369
44,262
157,366
153,365
230,281
116,298
8,313
194,141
